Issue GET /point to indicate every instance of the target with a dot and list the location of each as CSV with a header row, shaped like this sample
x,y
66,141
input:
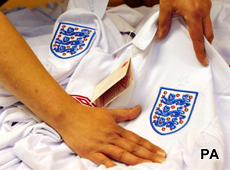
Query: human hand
x,y
197,16
95,135
90,132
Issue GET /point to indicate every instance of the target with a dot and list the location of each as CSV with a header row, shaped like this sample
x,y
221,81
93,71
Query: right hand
x,y
95,135
197,16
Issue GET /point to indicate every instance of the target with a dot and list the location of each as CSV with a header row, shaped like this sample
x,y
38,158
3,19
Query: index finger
x,y
143,142
164,21
196,33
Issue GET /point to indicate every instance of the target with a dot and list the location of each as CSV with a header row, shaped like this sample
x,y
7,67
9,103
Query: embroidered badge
x,y
83,100
71,40
172,110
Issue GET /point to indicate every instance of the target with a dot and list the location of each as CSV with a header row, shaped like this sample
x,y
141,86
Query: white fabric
x,y
132,17
221,22
26,143
163,58
15,124
91,5
59,69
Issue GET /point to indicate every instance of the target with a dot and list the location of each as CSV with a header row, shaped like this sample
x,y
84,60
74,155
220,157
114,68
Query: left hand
x,y
197,16
93,133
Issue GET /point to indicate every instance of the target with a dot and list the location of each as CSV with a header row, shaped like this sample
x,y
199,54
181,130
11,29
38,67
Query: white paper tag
x,y
115,84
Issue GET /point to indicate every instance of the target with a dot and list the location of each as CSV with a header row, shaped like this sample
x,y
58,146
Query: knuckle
x,y
164,25
102,161
152,157
140,141
112,136
134,148
197,38
201,9
122,154
197,12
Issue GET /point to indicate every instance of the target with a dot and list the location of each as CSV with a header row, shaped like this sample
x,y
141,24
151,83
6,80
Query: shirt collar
x,y
147,32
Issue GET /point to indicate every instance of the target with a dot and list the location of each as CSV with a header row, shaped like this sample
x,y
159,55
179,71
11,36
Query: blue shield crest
x,y
172,110
71,40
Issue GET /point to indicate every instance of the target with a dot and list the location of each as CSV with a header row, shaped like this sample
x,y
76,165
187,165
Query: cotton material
x,y
169,64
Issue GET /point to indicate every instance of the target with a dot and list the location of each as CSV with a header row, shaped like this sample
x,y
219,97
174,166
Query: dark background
x,y
2,2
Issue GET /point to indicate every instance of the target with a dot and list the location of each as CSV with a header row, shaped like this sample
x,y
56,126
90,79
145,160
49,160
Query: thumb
x,y
120,115
164,22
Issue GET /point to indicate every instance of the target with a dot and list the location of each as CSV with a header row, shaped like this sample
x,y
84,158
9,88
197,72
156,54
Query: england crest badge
x,y
71,40
172,110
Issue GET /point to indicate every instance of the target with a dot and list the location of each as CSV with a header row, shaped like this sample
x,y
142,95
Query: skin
x,y
197,16
92,133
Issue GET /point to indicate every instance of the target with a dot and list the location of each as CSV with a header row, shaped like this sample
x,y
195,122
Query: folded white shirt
x,y
159,66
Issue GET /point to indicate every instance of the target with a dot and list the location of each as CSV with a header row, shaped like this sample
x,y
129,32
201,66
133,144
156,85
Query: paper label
x,y
115,84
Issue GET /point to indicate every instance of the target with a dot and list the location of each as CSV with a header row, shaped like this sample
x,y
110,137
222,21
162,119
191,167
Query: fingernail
x,y
159,159
138,106
161,153
158,34
206,62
